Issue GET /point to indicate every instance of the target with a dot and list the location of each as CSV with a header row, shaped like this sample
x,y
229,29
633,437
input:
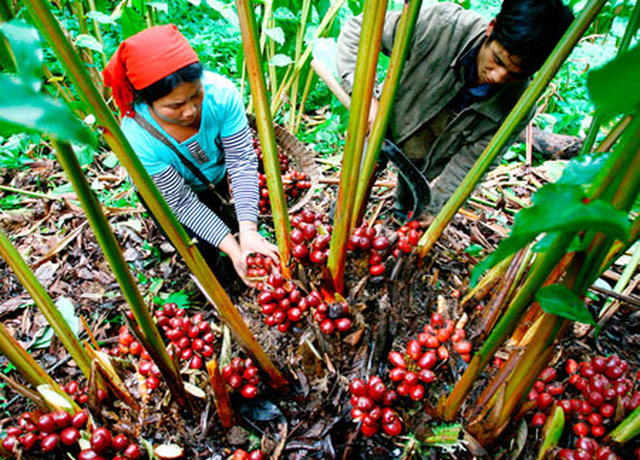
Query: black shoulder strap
x,y
162,138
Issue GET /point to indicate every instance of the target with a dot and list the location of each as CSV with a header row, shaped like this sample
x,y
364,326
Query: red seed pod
x,y
397,359
29,440
548,374
597,431
417,392
9,443
369,430
427,375
538,419
79,420
393,429
46,424
596,399
49,442
555,389
61,418
377,391
343,324
327,326
427,360
132,452
249,391
100,440
389,398
358,387
411,378
235,381
377,270
14,431
196,362
571,366
397,374
256,455
69,436
380,243
462,347
443,353
580,429
432,342
544,400
566,454
365,403
565,405
119,442
356,414
414,350
317,257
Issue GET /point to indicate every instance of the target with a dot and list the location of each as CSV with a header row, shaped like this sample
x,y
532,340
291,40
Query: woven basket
x,y
302,159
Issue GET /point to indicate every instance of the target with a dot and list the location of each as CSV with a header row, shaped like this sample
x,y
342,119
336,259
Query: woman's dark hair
x,y
530,29
162,87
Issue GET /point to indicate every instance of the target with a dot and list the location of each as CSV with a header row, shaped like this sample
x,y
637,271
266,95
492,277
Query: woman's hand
x,y
251,241
230,246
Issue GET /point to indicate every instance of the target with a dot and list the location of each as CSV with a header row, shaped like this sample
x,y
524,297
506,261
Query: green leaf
x,y
130,22
89,42
23,109
615,87
584,169
101,18
474,250
559,300
65,306
285,14
280,60
227,11
557,208
110,161
26,49
160,6
276,34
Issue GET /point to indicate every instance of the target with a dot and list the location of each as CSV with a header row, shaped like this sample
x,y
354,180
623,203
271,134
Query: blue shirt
x,y
223,115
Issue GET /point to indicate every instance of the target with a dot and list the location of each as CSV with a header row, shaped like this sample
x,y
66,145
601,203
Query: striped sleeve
x,y
242,165
189,210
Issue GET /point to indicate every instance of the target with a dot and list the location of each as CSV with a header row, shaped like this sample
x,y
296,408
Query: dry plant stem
x,y
264,123
45,304
220,395
491,312
29,367
33,396
116,140
102,364
538,274
625,277
401,45
107,241
523,106
365,75
486,283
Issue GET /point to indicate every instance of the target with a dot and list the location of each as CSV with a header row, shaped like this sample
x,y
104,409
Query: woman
x,y
189,129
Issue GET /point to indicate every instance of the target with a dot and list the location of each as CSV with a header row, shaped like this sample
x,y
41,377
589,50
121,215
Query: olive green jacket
x,y
431,77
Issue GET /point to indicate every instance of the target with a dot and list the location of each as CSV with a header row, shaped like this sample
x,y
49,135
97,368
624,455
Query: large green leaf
x,y
559,300
615,87
584,169
557,208
26,50
22,108
130,22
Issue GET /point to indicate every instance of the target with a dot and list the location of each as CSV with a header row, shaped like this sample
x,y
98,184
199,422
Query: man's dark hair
x,y
530,29
164,86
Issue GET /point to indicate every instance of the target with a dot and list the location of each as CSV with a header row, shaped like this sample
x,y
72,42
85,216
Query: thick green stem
x,y
264,123
370,40
524,105
113,254
628,429
87,91
401,46
45,304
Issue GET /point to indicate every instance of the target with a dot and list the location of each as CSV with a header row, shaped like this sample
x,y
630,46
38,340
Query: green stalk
x,y
625,277
524,105
371,40
628,429
552,431
6,10
45,305
98,32
299,64
306,7
113,253
596,122
78,9
264,123
50,28
404,35
29,367
305,94
540,270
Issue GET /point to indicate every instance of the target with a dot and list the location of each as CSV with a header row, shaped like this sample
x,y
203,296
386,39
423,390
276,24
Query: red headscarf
x,y
143,59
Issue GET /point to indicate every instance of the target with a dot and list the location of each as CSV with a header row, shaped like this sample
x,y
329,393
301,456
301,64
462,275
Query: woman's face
x,y
182,106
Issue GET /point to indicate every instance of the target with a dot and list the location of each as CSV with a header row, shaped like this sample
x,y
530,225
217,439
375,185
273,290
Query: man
x,y
462,77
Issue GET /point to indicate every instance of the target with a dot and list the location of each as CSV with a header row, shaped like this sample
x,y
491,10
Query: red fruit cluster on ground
x,y
408,237
412,370
365,239
310,238
587,449
191,337
43,433
81,394
331,317
293,182
242,375
595,388
241,454
106,445
371,403
281,301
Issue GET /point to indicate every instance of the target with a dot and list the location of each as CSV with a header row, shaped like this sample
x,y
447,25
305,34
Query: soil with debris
x,y
313,420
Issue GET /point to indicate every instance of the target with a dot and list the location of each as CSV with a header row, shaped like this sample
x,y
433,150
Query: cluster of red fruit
x,y
242,374
81,394
587,449
408,237
241,454
310,237
293,182
413,369
258,266
330,317
51,429
370,403
602,383
104,443
366,239
191,337
281,302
